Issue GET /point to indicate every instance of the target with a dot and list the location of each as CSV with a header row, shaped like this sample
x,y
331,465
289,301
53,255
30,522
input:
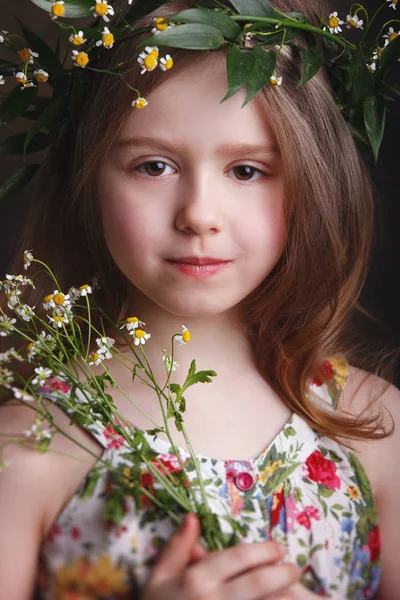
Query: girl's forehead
x,y
187,107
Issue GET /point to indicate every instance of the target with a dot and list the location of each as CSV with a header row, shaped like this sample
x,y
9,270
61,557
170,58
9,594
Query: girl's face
x,y
192,195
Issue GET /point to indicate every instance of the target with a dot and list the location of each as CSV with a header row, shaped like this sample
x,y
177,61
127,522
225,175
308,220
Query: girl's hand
x,y
185,571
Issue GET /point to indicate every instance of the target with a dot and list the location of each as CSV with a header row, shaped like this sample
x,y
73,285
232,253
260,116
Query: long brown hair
x,y
299,315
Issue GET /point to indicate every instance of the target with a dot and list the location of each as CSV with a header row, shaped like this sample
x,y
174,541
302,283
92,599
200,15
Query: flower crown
x,y
252,31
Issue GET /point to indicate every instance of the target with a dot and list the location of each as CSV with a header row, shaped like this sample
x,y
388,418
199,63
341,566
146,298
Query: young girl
x,y
251,226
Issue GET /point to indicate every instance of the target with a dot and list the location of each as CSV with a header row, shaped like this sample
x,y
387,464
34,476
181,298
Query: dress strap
x,y
57,390
330,379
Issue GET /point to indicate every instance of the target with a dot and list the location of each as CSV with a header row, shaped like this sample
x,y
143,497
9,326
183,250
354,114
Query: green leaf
x,y
374,118
324,491
53,113
191,37
263,66
389,57
360,79
301,560
16,103
238,66
15,144
313,59
47,58
258,8
74,9
141,8
362,480
17,182
227,26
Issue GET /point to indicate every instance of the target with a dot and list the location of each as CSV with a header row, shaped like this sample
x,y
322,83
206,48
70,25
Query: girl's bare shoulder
x,y
44,481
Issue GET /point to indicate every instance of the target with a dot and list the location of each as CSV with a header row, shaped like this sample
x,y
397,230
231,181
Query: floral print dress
x,y
305,491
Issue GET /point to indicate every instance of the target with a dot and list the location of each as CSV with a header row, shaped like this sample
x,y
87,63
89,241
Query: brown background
x,y
382,290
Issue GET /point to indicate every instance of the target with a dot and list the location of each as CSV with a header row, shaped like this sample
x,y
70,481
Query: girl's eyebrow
x,y
223,150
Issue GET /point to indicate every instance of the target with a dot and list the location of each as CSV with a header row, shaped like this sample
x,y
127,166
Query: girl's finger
x,y
198,553
264,582
176,555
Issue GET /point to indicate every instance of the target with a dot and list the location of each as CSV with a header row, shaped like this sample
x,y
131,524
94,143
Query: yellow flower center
x,y
77,40
169,63
108,39
273,81
132,320
140,103
93,357
59,299
101,9
82,59
41,78
333,22
352,23
392,36
139,333
186,336
160,24
29,347
48,298
24,54
150,62
58,9
57,318
154,53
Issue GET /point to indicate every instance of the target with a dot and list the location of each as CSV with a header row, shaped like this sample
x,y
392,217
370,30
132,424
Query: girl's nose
x,y
200,209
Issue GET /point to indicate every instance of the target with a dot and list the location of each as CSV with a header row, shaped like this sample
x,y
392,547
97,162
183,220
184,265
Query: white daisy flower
x,y
21,77
38,433
371,67
166,63
184,338
390,35
354,21
148,59
334,23
3,36
393,3
85,290
95,358
41,75
107,39
104,345
73,294
102,9
9,355
17,280
161,25
275,80
25,312
77,39
28,257
81,59
132,323
57,9
140,336
22,395
58,320
41,375
2,80
12,299
6,376
27,55
6,325
60,300
139,103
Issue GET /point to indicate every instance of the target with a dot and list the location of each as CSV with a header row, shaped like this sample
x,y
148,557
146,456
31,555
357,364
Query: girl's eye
x,y
154,168
246,173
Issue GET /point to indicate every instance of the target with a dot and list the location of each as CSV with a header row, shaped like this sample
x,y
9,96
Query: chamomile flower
x,y
354,21
334,23
41,75
9,355
102,9
3,36
21,77
77,39
132,323
6,377
27,55
2,80
184,338
22,394
104,345
60,300
139,103
169,364
81,59
377,54
17,280
166,63
57,9
58,320
84,290
95,358
371,67
161,25
390,35
38,433
275,80
6,325
140,337
148,59
392,3
25,312
28,257
41,375
107,39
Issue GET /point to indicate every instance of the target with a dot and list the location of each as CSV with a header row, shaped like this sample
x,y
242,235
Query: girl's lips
x,y
201,269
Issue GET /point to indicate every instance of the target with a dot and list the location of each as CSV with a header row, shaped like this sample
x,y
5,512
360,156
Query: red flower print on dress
x,y
115,441
321,470
52,383
76,533
277,504
54,532
374,543
309,512
324,373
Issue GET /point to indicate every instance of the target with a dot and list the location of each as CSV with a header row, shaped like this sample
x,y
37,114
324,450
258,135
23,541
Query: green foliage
x,y
313,59
219,20
258,8
193,36
74,9
18,180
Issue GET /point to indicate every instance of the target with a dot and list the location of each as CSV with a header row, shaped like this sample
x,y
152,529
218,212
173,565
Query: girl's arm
x,y
381,460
